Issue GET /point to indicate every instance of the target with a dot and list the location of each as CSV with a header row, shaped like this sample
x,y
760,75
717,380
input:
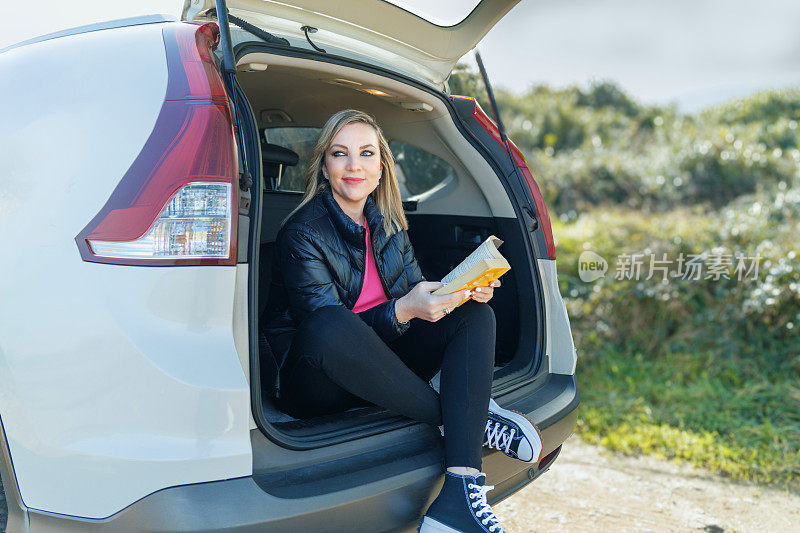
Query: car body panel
x,y
381,497
351,24
116,381
98,26
560,347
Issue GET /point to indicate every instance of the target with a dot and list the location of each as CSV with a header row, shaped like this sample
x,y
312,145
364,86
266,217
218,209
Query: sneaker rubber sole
x,y
431,525
524,422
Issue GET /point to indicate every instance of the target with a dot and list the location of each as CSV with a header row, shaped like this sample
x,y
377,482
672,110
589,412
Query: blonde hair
x,y
386,194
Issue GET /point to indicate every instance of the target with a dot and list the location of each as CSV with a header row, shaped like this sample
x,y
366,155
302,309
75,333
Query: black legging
x,y
336,362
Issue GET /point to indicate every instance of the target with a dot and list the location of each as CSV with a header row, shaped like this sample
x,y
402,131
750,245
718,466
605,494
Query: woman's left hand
x,y
484,294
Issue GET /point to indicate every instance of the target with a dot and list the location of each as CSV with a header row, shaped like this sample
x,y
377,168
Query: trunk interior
x,y
453,200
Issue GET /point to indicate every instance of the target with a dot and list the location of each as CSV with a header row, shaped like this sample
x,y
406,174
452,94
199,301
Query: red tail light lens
x,y
545,462
538,199
178,202
519,160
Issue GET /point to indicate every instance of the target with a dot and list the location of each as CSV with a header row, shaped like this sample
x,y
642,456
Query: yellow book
x,y
480,268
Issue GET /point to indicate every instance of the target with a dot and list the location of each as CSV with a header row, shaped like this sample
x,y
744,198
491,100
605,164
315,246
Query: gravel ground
x,y
590,489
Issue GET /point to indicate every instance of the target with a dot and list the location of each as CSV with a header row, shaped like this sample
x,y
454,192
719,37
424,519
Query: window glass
x,y
419,171
302,141
441,13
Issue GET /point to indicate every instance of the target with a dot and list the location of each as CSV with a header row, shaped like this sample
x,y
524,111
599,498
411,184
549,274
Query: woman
x,y
356,324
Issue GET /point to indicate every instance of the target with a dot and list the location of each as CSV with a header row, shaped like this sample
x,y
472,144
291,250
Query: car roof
x,y
98,26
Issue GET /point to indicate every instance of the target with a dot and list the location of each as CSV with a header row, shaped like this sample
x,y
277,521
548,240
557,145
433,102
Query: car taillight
x,y
519,160
545,462
178,202
538,199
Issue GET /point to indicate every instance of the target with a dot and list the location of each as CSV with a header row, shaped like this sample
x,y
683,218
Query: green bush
x,y
764,107
705,370
599,147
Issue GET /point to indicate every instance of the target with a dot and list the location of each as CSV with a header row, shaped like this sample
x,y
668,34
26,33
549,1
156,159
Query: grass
x,y
694,407
704,371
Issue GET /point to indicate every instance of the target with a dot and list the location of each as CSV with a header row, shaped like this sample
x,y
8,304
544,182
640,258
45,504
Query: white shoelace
x,y
499,436
483,507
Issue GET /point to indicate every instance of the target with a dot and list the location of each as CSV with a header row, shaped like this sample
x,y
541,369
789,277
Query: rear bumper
x,y
377,503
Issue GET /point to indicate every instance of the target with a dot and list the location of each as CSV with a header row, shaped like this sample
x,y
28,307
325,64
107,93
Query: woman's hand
x,y
420,303
484,294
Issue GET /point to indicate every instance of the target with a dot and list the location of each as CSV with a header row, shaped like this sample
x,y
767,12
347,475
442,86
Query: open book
x,y
480,268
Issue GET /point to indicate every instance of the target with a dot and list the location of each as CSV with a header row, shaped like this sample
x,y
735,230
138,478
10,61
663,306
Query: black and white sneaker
x,y
513,434
461,507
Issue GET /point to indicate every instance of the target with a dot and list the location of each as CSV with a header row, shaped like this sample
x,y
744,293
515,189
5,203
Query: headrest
x,y
272,153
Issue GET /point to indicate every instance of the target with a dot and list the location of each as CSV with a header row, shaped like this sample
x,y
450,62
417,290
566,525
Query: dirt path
x,y
591,489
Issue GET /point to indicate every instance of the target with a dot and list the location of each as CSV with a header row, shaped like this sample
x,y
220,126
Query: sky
x,y
695,53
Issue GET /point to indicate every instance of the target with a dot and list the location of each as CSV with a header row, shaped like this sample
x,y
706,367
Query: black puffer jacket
x,y
319,260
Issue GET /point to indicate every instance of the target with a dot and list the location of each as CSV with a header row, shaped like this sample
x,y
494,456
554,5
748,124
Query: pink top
x,y
371,291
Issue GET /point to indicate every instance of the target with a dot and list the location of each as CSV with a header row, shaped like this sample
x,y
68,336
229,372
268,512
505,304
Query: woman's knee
x,y
477,314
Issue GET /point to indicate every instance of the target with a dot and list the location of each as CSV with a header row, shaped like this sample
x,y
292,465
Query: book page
x,y
487,250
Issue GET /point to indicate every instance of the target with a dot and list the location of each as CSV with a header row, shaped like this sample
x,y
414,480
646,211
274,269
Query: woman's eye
x,y
337,152
367,153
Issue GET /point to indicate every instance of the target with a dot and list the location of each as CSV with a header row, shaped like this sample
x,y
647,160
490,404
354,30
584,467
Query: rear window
x,y
439,13
418,171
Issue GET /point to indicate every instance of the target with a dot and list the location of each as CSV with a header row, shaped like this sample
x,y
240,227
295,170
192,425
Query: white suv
x,y
141,190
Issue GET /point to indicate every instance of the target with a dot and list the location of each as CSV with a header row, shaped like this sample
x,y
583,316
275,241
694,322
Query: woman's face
x,y
352,165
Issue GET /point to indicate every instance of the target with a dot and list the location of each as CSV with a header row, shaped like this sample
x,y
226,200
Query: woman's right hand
x,y
420,303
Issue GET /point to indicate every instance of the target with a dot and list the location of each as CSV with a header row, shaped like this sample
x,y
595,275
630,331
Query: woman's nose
x,y
352,163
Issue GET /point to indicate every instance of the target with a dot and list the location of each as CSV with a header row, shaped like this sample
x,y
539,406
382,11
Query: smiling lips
x,y
353,180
